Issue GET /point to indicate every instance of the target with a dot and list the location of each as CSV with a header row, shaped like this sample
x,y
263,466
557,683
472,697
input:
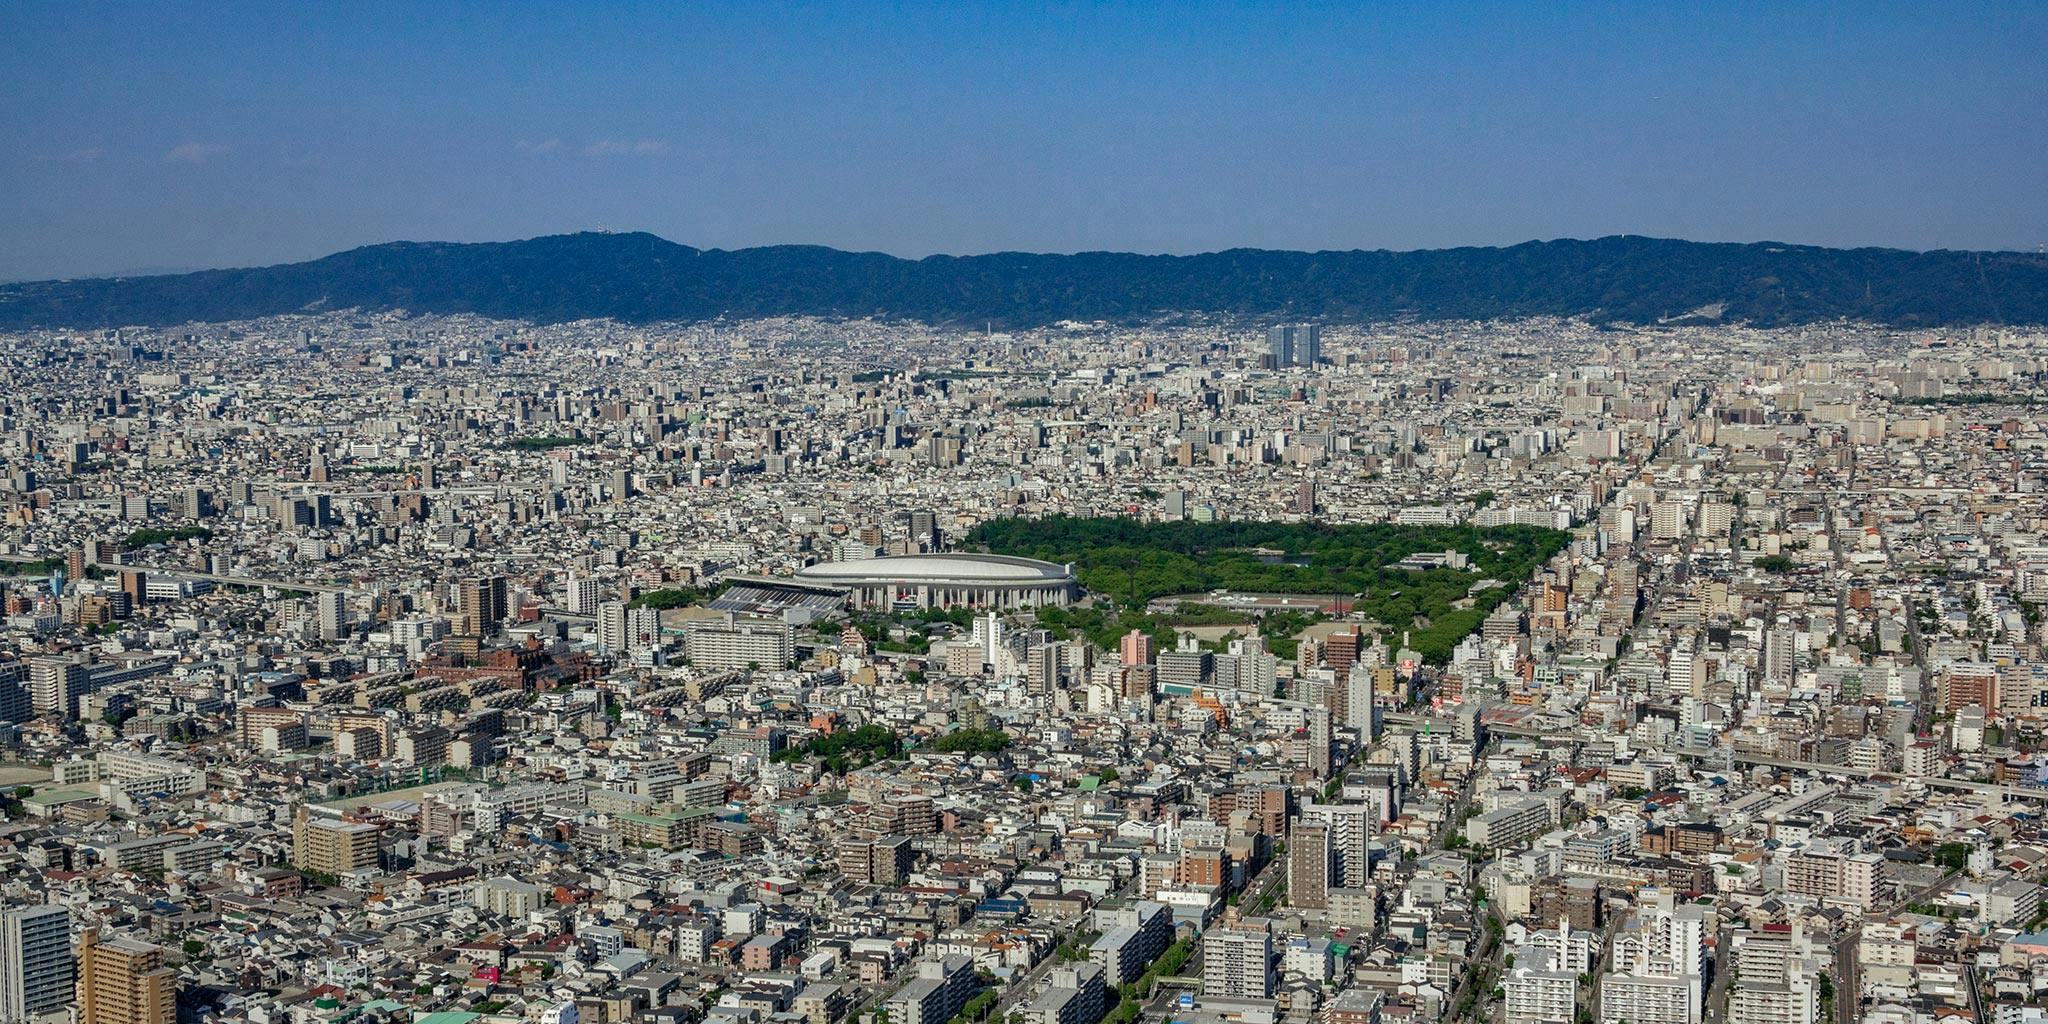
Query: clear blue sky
x,y
216,135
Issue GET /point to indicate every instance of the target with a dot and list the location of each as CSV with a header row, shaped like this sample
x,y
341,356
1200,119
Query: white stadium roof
x,y
942,568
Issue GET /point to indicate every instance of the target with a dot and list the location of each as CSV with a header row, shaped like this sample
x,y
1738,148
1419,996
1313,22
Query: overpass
x,y
1417,720
239,581
191,574
1932,782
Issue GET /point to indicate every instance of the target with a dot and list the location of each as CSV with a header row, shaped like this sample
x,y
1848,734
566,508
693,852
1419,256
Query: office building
x,y
135,584
15,702
1294,345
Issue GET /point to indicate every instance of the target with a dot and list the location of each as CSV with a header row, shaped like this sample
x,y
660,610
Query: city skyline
x,y
897,673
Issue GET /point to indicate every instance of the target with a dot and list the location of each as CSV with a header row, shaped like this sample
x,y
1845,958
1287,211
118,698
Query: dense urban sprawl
x,y
402,670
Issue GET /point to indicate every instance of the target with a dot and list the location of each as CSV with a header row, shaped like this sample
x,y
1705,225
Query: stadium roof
x,y
940,568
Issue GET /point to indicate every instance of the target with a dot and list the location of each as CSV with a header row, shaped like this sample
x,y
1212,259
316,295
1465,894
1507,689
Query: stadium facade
x,y
950,580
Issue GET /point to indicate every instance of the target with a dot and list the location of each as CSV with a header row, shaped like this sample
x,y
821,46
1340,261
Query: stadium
x,y
946,581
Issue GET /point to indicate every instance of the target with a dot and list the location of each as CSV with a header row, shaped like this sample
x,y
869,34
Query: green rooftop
x,y
447,1017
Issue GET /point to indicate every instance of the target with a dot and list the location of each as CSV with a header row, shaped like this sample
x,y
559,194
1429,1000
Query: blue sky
x,y
217,135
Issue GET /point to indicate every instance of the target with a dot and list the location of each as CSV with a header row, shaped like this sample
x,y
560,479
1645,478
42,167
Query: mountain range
x,y
639,277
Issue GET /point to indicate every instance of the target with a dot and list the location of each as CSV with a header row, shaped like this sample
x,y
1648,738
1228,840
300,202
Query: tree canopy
x,y
1133,562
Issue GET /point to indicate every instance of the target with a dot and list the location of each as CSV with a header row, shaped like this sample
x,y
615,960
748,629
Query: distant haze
x,y
239,134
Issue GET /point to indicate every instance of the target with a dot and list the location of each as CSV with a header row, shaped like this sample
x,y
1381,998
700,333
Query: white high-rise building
x,y
1317,740
1686,673
1237,964
418,632
1668,941
1257,668
718,645
579,597
37,967
55,685
1563,948
1921,759
330,612
1717,518
1781,652
1685,940
1351,828
1645,999
989,636
623,630
999,646
1793,1000
1658,958
1668,520
1359,712
1624,531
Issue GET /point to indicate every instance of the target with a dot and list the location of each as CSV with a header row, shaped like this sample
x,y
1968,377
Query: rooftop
x,y
940,567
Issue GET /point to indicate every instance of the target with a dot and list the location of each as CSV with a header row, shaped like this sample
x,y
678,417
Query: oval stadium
x,y
947,581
